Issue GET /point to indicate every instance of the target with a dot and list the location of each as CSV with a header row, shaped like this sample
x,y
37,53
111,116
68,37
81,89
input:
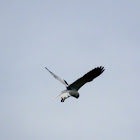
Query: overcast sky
x,y
70,38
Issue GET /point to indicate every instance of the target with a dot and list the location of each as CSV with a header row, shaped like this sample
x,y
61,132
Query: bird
x,y
72,89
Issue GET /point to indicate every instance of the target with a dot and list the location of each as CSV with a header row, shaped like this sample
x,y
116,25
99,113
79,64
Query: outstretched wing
x,y
86,78
58,78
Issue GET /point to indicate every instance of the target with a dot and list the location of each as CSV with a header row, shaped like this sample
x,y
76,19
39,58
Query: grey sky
x,y
70,38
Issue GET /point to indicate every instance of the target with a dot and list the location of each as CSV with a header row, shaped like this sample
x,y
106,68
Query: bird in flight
x,y
72,89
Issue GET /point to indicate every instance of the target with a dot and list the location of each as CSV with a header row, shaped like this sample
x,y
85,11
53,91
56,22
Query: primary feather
x,y
88,77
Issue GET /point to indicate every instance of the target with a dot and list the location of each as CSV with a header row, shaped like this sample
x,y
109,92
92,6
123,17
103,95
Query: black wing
x,y
86,78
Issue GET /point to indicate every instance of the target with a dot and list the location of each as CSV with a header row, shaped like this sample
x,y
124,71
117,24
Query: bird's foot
x,y
62,100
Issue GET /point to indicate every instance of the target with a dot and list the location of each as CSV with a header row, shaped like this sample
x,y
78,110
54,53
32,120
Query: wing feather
x,y
88,77
58,78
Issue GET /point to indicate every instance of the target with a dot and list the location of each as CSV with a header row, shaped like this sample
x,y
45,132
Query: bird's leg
x,y
62,100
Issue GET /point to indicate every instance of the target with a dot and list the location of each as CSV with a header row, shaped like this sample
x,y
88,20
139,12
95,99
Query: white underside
x,y
67,93
64,94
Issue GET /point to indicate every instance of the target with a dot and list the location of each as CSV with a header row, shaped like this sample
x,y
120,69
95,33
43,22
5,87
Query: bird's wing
x,y
86,78
58,78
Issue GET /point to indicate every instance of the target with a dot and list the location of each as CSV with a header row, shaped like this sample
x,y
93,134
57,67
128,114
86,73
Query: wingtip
x,y
46,68
102,68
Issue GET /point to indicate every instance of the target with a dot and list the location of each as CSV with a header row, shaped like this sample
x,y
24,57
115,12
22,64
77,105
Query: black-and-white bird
x,y
72,89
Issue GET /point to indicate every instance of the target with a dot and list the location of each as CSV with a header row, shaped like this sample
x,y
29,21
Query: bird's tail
x,y
64,95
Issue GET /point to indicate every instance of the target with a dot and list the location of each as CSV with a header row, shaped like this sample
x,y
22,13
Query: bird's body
x,y
72,89
68,93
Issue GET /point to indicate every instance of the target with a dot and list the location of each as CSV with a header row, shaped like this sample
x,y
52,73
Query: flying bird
x,y
72,89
